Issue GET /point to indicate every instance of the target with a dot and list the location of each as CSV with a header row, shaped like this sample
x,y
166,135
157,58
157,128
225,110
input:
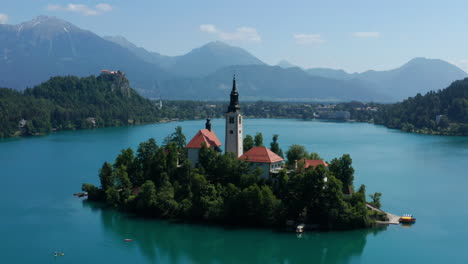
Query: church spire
x,y
234,88
234,103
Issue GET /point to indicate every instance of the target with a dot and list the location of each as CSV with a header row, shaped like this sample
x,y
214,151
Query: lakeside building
x,y
264,158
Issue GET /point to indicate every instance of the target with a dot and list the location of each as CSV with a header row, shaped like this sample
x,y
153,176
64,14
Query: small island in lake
x,y
249,185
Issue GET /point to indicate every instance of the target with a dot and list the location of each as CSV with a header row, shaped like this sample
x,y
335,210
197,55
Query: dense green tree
x,y
94,193
343,170
294,153
248,143
376,199
112,196
165,202
314,156
147,200
258,140
106,176
274,146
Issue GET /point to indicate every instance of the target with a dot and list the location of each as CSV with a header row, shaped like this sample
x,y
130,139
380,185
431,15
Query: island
x,y
247,185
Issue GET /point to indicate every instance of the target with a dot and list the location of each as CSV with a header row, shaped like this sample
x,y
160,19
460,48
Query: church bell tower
x,y
234,140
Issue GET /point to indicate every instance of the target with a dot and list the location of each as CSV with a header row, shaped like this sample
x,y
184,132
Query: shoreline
x,y
18,134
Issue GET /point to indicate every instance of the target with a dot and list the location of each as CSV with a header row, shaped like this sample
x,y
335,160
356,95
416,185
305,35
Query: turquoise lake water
x,y
419,174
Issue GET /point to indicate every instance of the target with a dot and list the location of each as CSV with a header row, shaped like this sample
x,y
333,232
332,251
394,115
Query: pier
x,y
392,219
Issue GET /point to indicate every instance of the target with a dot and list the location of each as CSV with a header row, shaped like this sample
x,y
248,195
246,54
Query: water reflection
x,y
165,242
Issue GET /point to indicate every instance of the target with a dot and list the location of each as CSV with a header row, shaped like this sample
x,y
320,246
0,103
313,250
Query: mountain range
x,y
36,50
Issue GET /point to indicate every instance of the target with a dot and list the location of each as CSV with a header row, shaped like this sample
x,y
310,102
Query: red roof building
x,y
264,158
204,136
314,163
262,155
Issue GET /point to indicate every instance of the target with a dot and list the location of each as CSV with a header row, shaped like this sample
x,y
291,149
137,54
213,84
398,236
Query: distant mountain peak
x,y
45,27
217,46
121,40
432,63
47,20
216,43
285,64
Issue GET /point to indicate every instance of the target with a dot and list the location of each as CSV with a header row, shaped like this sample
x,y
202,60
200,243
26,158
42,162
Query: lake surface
x,y
419,174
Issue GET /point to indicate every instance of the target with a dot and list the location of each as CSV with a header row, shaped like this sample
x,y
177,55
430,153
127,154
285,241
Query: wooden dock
x,y
392,219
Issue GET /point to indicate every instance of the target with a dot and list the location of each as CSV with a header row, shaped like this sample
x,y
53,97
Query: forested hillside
x,y
441,112
70,103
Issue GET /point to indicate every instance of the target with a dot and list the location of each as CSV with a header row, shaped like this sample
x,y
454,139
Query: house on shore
x,y
264,158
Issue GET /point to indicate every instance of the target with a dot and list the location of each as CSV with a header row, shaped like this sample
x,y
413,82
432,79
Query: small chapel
x,y
258,156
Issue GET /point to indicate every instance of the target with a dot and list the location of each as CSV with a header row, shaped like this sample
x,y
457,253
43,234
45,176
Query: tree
x,y
294,153
146,199
124,159
144,161
123,183
177,137
258,140
112,196
106,176
274,146
376,199
248,143
342,170
314,156
165,202
94,193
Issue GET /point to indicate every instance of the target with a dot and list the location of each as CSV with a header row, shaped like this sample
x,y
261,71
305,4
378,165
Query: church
x,y
258,156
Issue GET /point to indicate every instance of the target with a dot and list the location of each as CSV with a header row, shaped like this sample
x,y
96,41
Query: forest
x,y
73,103
443,112
158,181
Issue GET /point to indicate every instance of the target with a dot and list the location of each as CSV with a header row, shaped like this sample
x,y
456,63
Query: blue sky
x,y
352,35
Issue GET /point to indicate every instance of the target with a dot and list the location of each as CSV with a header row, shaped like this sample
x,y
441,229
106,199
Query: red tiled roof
x,y
313,163
261,154
204,136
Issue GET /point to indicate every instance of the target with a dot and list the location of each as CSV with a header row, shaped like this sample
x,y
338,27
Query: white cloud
x,y
308,39
82,9
462,64
3,18
242,34
208,28
104,7
366,34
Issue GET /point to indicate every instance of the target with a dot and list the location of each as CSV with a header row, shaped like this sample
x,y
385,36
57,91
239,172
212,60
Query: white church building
x,y
258,156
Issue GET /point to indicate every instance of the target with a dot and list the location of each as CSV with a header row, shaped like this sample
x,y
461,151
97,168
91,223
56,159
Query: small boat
x,y
128,240
300,229
82,194
407,219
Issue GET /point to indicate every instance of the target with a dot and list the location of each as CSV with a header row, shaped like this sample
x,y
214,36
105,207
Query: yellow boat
x,y
407,219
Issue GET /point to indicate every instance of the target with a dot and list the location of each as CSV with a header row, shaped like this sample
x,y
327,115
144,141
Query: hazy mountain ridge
x,y
419,75
34,51
271,83
199,61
